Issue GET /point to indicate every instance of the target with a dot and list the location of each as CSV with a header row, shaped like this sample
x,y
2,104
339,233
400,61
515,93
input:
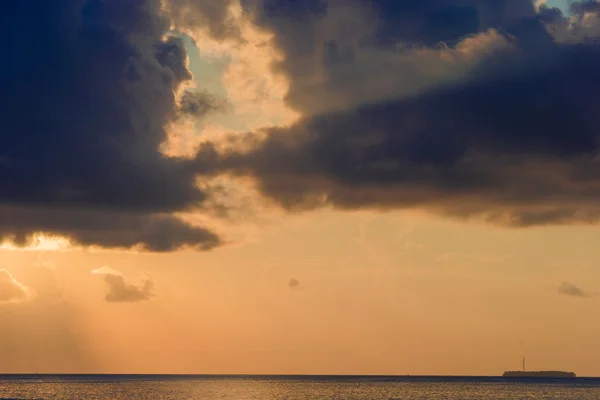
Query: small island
x,y
538,374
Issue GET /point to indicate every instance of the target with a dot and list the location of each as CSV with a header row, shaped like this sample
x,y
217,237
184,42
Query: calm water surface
x,y
133,387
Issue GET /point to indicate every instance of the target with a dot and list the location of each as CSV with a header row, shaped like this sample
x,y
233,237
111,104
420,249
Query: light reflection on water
x,y
246,388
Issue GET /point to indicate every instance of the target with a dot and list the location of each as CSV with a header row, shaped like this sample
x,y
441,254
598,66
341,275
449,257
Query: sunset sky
x,y
299,187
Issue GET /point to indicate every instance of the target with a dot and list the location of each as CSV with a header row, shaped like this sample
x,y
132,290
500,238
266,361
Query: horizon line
x,y
299,375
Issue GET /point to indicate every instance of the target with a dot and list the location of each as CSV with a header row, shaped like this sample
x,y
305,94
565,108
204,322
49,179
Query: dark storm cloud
x,y
329,45
434,21
121,291
109,229
415,22
569,289
87,89
466,108
514,141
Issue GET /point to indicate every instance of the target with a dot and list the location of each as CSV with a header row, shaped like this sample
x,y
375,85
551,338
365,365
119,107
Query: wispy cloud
x,y
13,291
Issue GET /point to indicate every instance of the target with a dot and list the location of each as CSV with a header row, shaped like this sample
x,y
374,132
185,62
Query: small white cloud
x,y
122,291
13,291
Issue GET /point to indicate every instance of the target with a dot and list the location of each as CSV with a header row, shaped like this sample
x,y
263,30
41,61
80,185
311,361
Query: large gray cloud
x,y
467,108
514,141
88,87
335,49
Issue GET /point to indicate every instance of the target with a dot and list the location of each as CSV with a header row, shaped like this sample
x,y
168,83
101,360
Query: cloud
x,y
293,283
539,4
569,289
583,25
198,104
121,291
110,229
350,53
503,130
467,108
11,290
82,117
209,15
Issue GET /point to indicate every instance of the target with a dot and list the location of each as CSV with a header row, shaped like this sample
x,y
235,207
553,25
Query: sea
x,y
211,387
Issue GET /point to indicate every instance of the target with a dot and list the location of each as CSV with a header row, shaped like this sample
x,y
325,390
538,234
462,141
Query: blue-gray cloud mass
x,y
467,108
88,87
514,141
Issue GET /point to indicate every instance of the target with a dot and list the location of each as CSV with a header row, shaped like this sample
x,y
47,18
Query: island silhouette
x,y
537,374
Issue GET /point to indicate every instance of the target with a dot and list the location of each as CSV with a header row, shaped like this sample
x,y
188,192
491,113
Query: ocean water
x,y
133,387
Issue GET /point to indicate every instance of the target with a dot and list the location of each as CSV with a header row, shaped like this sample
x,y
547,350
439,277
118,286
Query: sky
x,y
316,187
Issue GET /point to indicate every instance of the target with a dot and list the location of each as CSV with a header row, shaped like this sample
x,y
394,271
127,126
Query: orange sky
x,y
377,294
325,292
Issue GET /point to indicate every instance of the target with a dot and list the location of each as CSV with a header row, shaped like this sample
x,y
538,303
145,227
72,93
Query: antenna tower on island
x,y
538,374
